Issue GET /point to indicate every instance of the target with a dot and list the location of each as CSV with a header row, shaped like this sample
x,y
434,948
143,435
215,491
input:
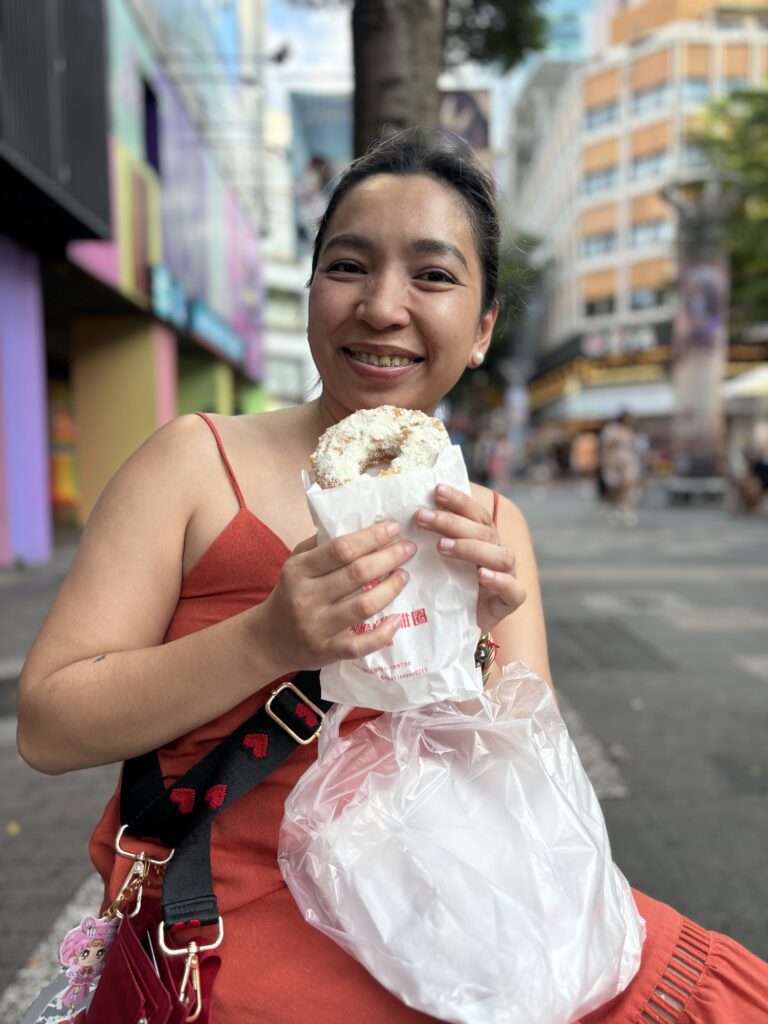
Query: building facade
x,y
138,286
601,139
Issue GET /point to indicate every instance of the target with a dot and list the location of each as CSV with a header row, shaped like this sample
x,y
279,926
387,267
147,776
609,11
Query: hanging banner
x,y
698,357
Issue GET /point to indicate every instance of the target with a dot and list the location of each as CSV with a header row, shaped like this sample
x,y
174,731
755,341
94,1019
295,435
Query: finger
x,y
365,604
462,504
365,572
348,644
500,596
344,550
452,524
308,544
478,552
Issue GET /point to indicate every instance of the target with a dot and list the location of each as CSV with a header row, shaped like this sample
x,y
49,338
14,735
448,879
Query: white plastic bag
x,y
463,859
431,657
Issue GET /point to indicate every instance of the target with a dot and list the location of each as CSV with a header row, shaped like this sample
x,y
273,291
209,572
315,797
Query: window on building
x,y
735,84
652,98
650,165
695,90
605,113
594,245
694,156
599,307
597,181
151,128
647,298
651,232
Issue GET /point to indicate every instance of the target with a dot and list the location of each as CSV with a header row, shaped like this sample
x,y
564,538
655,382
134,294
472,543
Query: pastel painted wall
x,y
205,384
183,227
123,387
25,514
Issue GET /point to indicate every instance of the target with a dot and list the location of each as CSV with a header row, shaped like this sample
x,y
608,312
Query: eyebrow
x,y
434,246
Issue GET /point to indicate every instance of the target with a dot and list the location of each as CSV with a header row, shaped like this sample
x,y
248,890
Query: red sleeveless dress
x,y
276,969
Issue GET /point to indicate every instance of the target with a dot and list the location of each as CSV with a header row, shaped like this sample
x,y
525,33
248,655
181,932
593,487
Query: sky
x,y
320,47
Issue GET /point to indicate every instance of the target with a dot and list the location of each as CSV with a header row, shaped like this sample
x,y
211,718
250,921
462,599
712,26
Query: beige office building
x,y
595,142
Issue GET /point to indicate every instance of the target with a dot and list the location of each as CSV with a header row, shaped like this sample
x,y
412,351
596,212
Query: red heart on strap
x,y
215,795
309,716
184,799
257,743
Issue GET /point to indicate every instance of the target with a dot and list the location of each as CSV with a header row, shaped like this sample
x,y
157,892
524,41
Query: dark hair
x,y
447,159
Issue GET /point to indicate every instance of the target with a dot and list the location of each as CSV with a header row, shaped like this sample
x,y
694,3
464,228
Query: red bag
x,y
141,983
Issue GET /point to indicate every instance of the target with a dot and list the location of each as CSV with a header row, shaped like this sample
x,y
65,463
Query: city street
x,y
658,645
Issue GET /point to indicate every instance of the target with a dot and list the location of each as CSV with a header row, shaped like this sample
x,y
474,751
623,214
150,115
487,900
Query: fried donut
x,y
411,439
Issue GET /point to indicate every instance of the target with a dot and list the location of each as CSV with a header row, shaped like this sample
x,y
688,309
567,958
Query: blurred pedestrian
x,y
620,466
751,484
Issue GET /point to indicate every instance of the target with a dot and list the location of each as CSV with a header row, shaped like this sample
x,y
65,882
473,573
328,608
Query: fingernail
x,y
446,543
404,575
487,574
393,529
409,547
426,515
444,491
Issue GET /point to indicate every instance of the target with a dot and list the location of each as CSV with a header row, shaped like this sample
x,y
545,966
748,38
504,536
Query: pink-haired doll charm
x,y
84,953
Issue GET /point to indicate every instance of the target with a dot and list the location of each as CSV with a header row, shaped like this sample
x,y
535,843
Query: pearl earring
x,y
477,358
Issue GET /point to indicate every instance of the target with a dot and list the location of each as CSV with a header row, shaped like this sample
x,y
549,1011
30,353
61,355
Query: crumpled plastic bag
x,y
461,856
431,657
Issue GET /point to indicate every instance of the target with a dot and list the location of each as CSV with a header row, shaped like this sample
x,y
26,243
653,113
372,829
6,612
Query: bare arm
x,y
100,686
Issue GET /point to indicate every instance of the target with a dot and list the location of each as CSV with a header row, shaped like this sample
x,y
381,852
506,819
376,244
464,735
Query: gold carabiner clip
x,y
135,880
191,973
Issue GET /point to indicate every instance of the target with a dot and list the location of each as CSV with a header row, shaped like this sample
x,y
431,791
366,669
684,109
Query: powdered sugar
x,y
407,437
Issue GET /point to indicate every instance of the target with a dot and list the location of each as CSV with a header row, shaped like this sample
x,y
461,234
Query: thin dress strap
x,y
225,460
495,507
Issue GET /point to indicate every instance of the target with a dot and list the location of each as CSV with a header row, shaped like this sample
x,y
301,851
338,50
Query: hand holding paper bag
x,y
431,657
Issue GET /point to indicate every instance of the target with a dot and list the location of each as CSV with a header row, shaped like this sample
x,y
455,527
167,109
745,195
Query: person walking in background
x,y
751,484
620,466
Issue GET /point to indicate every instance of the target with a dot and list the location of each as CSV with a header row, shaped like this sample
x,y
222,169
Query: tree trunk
x,y
398,54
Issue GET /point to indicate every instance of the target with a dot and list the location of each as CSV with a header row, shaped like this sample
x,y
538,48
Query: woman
x,y
620,466
199,581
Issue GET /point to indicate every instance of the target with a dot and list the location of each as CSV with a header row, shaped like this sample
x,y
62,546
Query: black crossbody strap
x,y
180,816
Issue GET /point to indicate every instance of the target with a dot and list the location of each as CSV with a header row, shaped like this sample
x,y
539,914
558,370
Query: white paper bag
x,y
431,657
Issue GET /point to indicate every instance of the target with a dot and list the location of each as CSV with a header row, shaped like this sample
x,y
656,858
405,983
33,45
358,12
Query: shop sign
x,y
169,300
216,333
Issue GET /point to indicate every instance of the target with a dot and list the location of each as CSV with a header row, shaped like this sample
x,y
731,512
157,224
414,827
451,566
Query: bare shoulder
x,y
509,518
124,582
163,473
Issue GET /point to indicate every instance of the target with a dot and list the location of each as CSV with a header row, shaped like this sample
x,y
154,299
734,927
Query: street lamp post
x,y
700,334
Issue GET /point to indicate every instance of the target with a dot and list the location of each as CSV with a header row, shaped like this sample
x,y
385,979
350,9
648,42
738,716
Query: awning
x,y
752,384
644,400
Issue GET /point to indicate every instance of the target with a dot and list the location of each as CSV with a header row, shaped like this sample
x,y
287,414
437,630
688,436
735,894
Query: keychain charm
x,y
84,954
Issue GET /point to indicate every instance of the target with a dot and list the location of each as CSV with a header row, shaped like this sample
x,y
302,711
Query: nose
x,y
383,302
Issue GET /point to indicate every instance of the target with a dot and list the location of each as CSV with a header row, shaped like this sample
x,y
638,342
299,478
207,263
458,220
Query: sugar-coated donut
x,y
411,439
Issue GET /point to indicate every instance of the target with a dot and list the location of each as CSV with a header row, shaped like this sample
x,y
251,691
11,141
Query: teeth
x,y
372,360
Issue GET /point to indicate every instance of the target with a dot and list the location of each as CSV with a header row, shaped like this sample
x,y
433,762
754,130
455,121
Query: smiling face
x,y
395,303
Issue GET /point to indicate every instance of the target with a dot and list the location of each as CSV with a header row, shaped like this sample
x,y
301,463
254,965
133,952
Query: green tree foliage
x,y
735,139
500,32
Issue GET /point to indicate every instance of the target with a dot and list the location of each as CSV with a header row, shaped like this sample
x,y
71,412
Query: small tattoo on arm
x,y
101,657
